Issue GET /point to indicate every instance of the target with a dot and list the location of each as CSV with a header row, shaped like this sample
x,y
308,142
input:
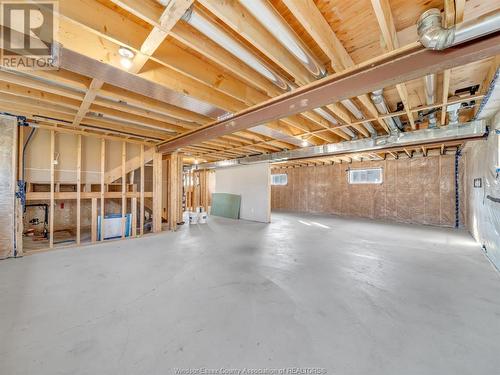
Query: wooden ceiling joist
x,y
385,20
181,82
405,65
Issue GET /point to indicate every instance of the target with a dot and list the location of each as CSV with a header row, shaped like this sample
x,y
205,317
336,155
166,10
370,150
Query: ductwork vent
x,y
434,36
394,123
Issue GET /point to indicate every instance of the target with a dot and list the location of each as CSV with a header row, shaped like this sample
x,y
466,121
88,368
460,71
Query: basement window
x,y
279,179
365,176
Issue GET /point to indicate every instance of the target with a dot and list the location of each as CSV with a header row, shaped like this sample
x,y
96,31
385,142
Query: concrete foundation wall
x,y
481,161
419,190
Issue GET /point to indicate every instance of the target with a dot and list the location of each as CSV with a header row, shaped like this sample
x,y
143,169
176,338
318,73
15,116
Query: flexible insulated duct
x,y
394,123
263,11
351,107
453,113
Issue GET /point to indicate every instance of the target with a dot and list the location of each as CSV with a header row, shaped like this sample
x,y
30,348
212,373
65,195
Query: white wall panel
x,y
253,183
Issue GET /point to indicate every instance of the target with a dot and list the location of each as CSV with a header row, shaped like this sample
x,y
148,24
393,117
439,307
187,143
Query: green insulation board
x,y
226,205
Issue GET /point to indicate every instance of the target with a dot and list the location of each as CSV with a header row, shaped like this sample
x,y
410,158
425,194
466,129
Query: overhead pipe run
x,y
464,131
276,134
219,36
404,65
430,83
453,111
434,36
281,30
394,123
274,23
351,107
330,118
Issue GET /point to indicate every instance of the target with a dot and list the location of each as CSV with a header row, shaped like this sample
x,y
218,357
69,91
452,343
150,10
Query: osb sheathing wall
x,y
419,190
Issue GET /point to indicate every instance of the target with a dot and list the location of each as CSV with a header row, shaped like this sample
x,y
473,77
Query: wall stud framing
x,y
78,187
142,193
103,167
124,187
52,203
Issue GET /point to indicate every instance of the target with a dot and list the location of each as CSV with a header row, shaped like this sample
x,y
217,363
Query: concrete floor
x,y
350,296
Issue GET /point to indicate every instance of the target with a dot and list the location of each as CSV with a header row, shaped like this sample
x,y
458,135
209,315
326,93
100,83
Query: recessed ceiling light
x,y
126,63
127,53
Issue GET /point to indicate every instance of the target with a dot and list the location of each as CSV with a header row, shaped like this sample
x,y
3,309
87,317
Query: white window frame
x,y
273,183
351,171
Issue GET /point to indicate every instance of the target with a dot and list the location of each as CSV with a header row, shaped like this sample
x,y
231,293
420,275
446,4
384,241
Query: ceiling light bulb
x,y
196,162
304,143
126,63
127,53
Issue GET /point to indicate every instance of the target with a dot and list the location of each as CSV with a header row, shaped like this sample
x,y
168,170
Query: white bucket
x,y
193,218
202,218
185,217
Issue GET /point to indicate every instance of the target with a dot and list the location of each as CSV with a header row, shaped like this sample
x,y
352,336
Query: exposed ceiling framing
x,y
181,79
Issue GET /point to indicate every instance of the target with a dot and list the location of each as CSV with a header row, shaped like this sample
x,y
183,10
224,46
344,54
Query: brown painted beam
x,y
401,65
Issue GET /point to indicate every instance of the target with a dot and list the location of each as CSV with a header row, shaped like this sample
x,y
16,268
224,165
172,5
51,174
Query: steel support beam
x,y
401,65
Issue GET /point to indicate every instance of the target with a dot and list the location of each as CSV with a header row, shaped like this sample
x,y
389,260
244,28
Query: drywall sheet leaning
x,y
226,205
8,147
253,183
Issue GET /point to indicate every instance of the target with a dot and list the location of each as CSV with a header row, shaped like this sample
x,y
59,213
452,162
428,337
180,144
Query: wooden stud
x,y
133,204
141,220
78,187
124,187
446,89
206,192
157,191
179,187
103,169
52,202
93,227
174,193
91,94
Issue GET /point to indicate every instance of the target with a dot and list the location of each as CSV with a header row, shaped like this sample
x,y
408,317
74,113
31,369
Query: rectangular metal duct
x,y
8,161
468,130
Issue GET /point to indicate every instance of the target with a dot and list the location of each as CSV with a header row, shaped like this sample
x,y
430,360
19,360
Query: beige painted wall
x,y
37,170
38,157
